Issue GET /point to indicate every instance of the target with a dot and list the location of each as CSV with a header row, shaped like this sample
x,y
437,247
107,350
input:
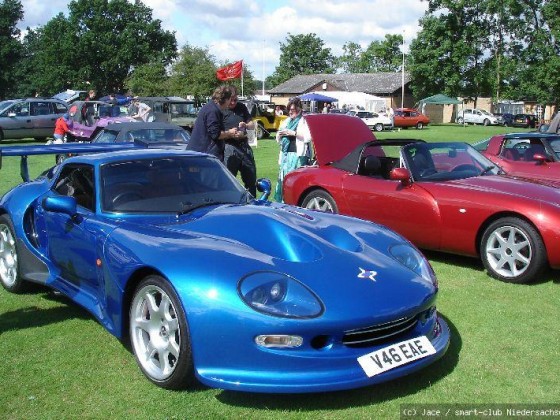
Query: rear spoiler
x,y
74,148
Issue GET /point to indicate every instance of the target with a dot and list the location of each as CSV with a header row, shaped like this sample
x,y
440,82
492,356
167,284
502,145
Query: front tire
x,y
419,126
260,131
9,262
378,127
460,120
486,122
513,251
321,201
159,334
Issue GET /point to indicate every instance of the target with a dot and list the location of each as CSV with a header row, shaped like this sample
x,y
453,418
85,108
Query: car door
x,y
468,116
73,241
43,119
410,211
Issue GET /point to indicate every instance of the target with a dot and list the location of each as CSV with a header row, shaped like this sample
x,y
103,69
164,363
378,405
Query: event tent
x,y
361,100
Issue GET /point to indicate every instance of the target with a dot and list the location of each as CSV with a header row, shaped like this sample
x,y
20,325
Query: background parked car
x,y
409,117
525,120
148,132
89,117
505,119
172,109
374,121
30,117
476,116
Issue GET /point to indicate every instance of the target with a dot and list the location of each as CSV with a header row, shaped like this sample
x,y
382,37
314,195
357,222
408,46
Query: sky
x,y
252,30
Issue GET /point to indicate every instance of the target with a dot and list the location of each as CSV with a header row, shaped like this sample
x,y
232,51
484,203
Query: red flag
x,y
233,71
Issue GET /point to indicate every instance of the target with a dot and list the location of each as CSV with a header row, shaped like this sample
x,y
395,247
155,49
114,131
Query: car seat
x,y
371,166
533,150
511,154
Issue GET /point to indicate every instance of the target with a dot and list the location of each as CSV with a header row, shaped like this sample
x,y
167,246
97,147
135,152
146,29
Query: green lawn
x,y
58,362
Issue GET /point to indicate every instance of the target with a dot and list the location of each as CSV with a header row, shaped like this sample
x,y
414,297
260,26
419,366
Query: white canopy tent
x,y
352,100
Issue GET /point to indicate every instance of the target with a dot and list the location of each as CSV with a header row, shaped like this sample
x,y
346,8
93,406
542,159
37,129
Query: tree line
x,y
504,49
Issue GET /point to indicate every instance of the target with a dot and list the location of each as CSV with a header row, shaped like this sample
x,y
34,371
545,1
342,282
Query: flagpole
x,y
242,78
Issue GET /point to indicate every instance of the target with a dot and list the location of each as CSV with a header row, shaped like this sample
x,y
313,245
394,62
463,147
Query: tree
x,y
98,45
351,59
383,56
302,54
11,12
194,73
450,52
148,80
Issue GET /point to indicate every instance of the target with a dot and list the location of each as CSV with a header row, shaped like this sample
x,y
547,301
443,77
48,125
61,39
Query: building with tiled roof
x,y
385,85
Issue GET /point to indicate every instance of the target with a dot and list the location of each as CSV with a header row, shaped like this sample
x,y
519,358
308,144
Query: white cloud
x,y
238,29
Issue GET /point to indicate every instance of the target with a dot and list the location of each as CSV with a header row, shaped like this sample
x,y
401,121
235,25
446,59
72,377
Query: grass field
x,y
58,362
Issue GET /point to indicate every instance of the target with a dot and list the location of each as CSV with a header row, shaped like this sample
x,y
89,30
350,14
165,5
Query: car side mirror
x,y
264,186
11,114
61,204
402,175
540,159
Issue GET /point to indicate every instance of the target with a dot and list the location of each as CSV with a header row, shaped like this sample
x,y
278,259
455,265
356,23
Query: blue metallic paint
x,y
206,252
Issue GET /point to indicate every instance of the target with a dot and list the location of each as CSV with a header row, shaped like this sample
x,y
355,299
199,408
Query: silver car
x,y
476,116
29,117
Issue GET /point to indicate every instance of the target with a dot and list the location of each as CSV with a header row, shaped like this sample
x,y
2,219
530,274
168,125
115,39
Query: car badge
x,y
367,274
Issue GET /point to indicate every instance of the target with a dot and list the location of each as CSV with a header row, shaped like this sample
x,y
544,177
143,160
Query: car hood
x,y
336,135
508,185
343,260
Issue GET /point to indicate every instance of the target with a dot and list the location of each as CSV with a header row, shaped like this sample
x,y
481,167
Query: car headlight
x,y
411,258
279,295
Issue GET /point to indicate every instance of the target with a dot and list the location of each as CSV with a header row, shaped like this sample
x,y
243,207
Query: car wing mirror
x,y
264,186
541,159
61,204
11,114
402,175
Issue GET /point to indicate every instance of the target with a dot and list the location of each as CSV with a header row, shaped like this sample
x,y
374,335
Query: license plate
x,y
396,355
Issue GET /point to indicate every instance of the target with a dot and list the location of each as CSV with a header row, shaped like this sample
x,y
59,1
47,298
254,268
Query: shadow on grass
x,y
32,317
476,265
341,400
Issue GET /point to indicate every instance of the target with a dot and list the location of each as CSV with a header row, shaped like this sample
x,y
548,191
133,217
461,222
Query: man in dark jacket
x,y
238,153
208,134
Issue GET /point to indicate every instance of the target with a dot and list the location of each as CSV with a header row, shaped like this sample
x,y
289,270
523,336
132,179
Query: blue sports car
x,y
164,247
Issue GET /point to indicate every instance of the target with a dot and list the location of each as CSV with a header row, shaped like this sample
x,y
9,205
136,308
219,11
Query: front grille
x,y
379,333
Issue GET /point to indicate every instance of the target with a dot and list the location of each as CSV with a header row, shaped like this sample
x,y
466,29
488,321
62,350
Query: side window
x,y
59,108
40,108
21,109
77,181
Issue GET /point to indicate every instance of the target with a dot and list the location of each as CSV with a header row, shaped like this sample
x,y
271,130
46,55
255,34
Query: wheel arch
x,y
128,294
502,215
309,190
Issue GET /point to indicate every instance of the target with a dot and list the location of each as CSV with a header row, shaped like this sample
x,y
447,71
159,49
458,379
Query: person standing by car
x,y
238,154
92,95
143,111
61,128
208,134
294,138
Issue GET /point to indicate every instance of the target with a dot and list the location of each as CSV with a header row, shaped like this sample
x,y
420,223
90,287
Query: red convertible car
x,y
441,196
529,155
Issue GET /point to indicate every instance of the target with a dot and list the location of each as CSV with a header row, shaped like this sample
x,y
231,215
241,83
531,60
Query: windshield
x,y
446,161
183,109
145,135
5,104
175,184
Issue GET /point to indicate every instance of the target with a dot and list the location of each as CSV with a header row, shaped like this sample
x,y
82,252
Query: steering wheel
x,y
125,197
465,167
